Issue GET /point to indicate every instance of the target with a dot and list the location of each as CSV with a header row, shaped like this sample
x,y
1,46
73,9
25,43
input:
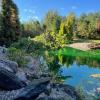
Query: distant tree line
x,y
86,26
60,30
31,28
69,27
56,29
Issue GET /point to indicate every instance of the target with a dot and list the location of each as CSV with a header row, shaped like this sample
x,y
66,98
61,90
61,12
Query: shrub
x,y
51,40
21,44
17,55
29,45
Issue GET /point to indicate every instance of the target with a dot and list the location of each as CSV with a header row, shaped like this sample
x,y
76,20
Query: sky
x,y
36,9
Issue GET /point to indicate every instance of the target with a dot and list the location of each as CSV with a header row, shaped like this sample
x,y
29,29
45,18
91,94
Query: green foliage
x,y
51,26
29,46
21,44
69,55
17,55
76,52
52,21
67,27
51,40
31,29
10,26
88,26
61,30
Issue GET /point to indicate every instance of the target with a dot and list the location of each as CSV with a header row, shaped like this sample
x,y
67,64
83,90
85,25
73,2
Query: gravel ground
x,y
80,46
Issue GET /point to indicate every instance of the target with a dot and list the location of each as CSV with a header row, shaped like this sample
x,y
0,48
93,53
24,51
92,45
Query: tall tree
x,y
87,26
10,25
52,21
67,27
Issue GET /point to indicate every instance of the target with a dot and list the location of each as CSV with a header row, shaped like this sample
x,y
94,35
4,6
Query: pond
x,y
78,71
81,76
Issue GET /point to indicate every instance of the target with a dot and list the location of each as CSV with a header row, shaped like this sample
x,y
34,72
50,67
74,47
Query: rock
x,y
60,92
44,66
43,90
3,49
60,96
3,53
21,75
9,65
9,81
33,63
9,95
35,67
95,46
95,75
31,92
5,63
29,60
98,89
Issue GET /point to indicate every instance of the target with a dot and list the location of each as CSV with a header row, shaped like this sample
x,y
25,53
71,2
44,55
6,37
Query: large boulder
x,y
22,75
59,92
31,92
9,65
44,90
9,81
5,63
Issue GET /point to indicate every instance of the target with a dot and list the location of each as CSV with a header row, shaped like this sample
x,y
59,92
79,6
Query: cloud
x,y
74,7
62,8
30,11
33,17
31,14
36,17
25,10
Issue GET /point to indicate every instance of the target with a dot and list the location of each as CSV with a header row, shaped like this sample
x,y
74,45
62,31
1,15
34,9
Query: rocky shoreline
x,y
15,83
54,92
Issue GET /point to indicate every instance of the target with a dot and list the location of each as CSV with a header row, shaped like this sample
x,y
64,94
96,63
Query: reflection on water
x,y
77,71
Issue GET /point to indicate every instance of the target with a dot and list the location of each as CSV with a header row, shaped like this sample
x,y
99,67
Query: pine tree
x,y
10,25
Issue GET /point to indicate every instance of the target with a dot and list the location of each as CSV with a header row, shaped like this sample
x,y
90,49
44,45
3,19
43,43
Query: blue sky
x,y
36,9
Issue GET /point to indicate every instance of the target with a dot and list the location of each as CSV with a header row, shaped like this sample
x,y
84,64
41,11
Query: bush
x,y
21,44
17,55
29,45
51,40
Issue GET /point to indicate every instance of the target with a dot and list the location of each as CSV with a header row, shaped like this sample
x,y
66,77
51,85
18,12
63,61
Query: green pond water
x,y
77,70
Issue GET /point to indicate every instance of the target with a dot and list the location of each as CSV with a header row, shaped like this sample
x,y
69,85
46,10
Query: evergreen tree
x,y
52,21
10,25
67,27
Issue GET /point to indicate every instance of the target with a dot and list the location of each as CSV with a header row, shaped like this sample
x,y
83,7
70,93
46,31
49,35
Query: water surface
x,y
78,71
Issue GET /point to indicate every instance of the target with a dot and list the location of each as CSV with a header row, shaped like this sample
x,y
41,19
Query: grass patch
x,y
77,53
95,41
